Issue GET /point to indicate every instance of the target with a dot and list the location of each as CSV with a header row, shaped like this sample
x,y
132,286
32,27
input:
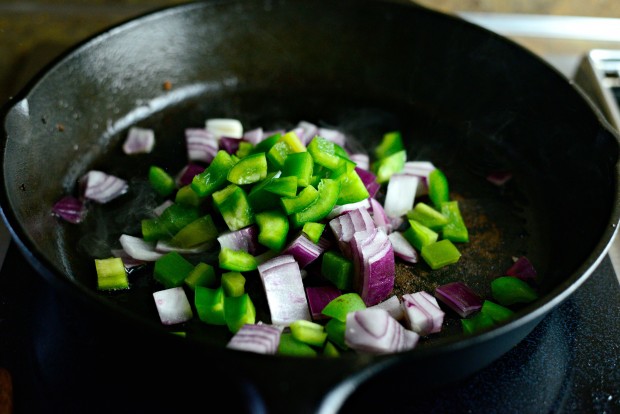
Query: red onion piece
x,y
173,306
422,313
373,259
421,169
139,249
499,178
139,141
128,261
382,221
370,181
361,160
523,269
187,173
345,208
258,338
392,305
253,136
400,196
375,331
332,135
201,144
70,209
346,225
304,250
305,131
230,145
245,239
319,297
284,289
402,248
224,127
459,297
101,187
157,211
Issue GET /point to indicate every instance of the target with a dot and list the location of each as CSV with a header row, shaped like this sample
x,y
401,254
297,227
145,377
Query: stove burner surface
x,y
568,364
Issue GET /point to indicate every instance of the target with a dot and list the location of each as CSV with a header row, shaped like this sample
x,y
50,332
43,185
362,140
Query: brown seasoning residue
x,y
6,392
167,85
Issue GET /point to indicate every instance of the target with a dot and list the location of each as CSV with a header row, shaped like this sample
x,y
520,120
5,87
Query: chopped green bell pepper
x,y
339,307
508,290
249,170
455,230
479,322
440,254
266,144
288,143
187,196
233,283
352,188
209,305
427,216
203,274
111,274
308,332
283,186
337,269
232,203
238,311
300,165
392,142
384,168
418,235
162,182
172,269
304,199
335,333
325,153
290,346
329,191
237,260
330,350
259,198
438,188
214,177
202,230
496,312
273,228
313,230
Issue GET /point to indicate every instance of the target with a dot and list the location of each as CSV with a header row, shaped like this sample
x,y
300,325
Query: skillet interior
x,y
464,98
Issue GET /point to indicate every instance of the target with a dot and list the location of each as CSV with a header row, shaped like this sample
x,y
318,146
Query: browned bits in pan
x,y
6,392
167,85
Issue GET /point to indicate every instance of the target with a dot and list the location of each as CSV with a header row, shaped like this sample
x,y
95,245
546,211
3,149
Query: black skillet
x,y
466,99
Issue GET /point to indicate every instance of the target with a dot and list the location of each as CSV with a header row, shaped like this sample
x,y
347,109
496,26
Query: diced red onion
x,y
345,208
347,224
187,173
101,187
319,297
224,127
370,181
392,305
402,248
253,136
230,145
459,297
375,331
422,313
361,160
284,289
382,221
499,178
163,206
139,141
373,259
139,249
173,306
201,144
332,135
523,269
306,131
128,261
258,338
421,169
70,209
304,250
245,239
400,196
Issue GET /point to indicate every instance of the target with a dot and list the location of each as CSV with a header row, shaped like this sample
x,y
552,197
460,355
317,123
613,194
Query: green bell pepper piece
x,y
249,170
440,254
233,283
202,230
172,269
188,197
330,350
479,322
203,274
266,144
418,235
175,217
496,312
455,230
337,269
238,311
236,260
232,203
508,290
304,199
427,216
288,143
300,165
384,168
352,188
273,228
438,188
162,182
214,177
245,149
392,142
290,346
335,333
329,191
259,198
209,305
339,307
308,332
313,230
283,186
111,274
326,153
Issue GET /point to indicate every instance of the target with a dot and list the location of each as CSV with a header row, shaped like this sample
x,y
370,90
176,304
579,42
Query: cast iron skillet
x,y
468,100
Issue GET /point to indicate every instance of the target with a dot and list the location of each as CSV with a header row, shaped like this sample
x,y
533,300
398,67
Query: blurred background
x,y
32,32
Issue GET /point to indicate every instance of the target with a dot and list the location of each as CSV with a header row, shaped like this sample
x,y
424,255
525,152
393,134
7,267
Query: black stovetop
x,y
570,363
